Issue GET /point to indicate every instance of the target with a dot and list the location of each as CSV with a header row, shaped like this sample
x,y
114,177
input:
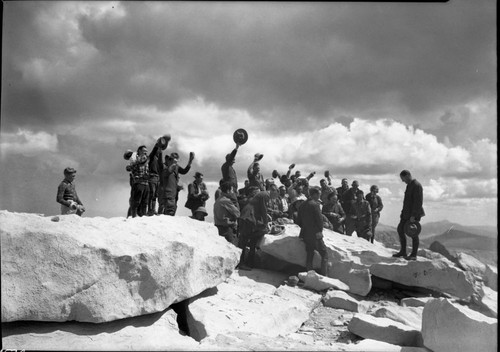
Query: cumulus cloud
x,y
27,143
443,188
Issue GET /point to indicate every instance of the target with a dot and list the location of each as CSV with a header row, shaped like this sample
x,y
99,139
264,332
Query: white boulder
x,y
98,270
491,277
384,329
411,316
469,263
437,275
243,304
450,327
415,301
342,300
319,282
150,332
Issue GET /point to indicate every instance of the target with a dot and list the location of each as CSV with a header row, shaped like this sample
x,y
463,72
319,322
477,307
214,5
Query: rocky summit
x,y
98,270
172,283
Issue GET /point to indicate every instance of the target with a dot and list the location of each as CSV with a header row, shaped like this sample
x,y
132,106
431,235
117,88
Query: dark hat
x,y
201,210
327,174
197,174
240,136
174,155
128,154
412,229
163,141
275,173
69,170
258,156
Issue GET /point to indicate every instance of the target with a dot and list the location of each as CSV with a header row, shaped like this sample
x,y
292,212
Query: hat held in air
x,y
240,136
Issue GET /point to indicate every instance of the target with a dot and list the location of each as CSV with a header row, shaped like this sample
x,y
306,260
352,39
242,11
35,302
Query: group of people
x,y
243,216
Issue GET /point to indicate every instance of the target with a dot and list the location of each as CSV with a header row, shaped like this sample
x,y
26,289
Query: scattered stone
x,y
245,304
384,329
368,345
437,275
157,331
411,316
342,300
488,303
315,281
469,263
98,269
55,219
309,298
415,301
450,327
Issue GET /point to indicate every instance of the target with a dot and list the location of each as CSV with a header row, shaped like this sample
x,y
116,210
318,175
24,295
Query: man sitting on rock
x,y
361,216
334,212
310,220
226,214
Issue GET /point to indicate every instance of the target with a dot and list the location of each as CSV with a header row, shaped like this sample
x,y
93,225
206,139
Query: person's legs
x,y
321,248
350,226
143,207
153,194
253,246
402,239
375,218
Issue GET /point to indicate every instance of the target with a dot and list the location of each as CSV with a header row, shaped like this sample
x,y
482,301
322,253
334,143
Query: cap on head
x,y
198,174
69,171
174,156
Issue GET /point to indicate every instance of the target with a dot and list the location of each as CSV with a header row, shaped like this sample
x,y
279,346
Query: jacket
x,y
413,200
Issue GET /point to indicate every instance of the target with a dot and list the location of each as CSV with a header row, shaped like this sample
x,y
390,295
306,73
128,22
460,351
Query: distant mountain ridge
x,y
440,227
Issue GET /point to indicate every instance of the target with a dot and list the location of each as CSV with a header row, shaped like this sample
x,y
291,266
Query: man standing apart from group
x,y
376,206
67,196
310,220
412,212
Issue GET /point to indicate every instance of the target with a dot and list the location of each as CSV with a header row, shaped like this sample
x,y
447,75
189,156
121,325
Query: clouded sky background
x,y
361,89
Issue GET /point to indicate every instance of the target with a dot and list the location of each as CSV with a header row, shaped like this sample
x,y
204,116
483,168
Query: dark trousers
x,y
350,225
251,241
362,229
375,218
228,233
319,245
153,195
140,193
402,238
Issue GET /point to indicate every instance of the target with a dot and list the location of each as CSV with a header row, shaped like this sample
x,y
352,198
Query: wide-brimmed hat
x,y
412,229
69,171
327,174
163,141
174,156
258,156
240,136
275,173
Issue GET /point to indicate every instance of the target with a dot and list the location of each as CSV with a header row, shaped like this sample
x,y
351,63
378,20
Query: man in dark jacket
x,y
228,173
334,212
412,211
348,197
169,182
310,220
361,215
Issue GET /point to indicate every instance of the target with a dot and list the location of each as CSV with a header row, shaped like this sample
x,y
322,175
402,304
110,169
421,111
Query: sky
x,y
363,90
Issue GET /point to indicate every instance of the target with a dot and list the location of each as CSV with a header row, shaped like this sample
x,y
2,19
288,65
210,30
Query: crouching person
x,y
226,214
310,220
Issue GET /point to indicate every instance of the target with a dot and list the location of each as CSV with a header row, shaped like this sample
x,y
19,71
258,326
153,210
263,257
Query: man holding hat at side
x,y
67,196
410,215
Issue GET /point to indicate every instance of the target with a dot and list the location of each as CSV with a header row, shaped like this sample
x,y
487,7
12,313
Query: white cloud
x,y
27,143
445,188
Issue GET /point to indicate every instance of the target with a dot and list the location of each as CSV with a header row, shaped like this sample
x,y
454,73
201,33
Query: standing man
x,y
226,214
67,196
197,196
348,197
325,191
376,206
412,212
342,189
228,173
310,220
254,175
140,183
169,182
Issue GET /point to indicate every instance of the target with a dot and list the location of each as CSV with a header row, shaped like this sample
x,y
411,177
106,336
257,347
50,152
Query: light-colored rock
x,y
440,248
342,300
384,329
97,269
369,345
436,275
469,263
239,305
319,282
150,332
350,257
415,301
309,298
491,277
489,302
450,327
410,316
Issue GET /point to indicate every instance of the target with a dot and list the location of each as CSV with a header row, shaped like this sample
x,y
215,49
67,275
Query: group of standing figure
x,y
243,216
